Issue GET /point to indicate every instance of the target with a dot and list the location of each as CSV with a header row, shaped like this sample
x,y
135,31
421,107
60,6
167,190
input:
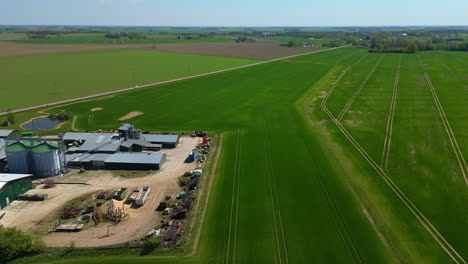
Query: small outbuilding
x,y
12,185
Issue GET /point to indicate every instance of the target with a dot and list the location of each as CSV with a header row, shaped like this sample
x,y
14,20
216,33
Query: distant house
x,y
266,34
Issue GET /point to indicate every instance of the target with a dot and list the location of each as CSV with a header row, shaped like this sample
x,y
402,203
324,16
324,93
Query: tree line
x,y
131,35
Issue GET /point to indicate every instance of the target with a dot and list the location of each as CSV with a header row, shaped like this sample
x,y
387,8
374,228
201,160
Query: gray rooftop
x,y
8,177
77,136
143,143
101,143
125,126
5,132
136,158
86,157
2,149
170,139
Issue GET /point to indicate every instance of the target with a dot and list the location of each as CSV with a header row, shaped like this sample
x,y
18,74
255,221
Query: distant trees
x,y
399,44
14,244
245,39
132,35
62,115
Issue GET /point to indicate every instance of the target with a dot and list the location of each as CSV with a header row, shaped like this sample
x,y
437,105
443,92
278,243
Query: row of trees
x,y
412,44
398,44
132,35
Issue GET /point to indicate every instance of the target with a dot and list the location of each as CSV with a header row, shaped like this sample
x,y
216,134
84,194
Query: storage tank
x,y
47,160
18,158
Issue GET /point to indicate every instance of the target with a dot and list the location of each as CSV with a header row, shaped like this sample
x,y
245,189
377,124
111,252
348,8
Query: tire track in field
x,y
443,243
448,128
235,200
277,219
358,90
391,114
335,212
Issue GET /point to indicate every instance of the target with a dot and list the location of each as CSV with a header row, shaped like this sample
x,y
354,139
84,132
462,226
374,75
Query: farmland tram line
x,y
337,218
234,200
358,90
444,244
389,132
238,195
274,201
448,128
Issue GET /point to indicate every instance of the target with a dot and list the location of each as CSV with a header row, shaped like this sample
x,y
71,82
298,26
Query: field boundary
x,y
234,201
202,205
452,253
159,83
391,114
356,93
448,128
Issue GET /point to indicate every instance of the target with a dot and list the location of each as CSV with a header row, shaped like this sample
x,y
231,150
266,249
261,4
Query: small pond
x,y
43,123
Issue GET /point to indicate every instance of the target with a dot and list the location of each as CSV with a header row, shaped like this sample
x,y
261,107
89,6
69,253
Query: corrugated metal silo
x,y
47,160
18,158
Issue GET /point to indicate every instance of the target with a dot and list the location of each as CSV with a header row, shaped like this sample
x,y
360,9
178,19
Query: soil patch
x,y
130,115
351,123
97,109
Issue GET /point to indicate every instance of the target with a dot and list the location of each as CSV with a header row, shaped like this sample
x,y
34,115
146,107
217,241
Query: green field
x,y
100,39
36,79
292,186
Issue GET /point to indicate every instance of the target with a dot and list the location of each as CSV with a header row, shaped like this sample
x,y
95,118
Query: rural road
x,y
157,83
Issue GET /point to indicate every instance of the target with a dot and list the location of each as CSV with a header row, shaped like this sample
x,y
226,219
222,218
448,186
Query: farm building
x,y
2,149
135,161
128,139
6,133
47,159
12,185
166,141
96,161
44,159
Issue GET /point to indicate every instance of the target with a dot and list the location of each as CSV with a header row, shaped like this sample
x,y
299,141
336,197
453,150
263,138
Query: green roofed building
x,y
12,185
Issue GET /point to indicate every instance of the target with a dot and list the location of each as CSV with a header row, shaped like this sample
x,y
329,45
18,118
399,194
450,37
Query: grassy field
x,y
35,79
302,176
100,39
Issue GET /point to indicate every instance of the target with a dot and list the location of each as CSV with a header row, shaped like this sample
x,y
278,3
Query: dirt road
x,y
157,83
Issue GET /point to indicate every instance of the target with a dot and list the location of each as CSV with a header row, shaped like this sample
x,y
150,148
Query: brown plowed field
x,y
262,49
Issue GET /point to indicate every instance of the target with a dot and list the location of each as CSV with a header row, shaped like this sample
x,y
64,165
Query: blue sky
x,y
234,12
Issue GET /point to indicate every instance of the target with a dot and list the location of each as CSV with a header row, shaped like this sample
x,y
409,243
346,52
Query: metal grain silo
x,y
47,160
18,158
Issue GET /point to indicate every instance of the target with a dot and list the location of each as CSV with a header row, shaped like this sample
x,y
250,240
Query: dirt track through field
x,y
157,83
448,128
443,243
234,200
358,90
277,219
391,114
